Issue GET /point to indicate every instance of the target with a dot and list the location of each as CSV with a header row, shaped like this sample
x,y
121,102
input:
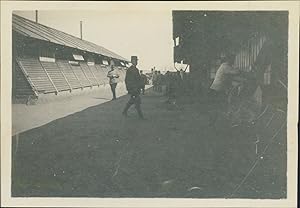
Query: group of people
x,y
135,82
157,80
175,82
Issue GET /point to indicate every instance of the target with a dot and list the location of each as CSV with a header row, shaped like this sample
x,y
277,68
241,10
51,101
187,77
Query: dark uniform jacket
x,y
133,80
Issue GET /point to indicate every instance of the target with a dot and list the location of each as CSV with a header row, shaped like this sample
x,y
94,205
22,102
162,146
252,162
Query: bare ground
x,y
98,153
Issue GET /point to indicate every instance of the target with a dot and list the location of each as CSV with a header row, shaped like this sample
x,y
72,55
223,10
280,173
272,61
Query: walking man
x,y
133,83
113,79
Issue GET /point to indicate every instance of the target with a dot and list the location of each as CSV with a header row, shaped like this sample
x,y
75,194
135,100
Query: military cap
x,y
134,58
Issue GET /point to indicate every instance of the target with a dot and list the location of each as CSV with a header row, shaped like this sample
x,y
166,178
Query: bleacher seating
x,y
36,74
81,76
54,71
97,74
22,87
105,71
102,74
65,67
56,75
89,74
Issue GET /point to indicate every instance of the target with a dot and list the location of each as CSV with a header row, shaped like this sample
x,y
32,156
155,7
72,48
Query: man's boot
x,y
139,111
126,109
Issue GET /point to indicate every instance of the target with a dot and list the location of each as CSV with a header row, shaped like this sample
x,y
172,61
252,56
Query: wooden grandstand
x,y
48,61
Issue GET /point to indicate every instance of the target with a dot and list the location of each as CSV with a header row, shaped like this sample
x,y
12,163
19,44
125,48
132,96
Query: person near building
x,y
144,81
113,76
220,86
172,82
133,83
167,82
154,80
151,75
159,81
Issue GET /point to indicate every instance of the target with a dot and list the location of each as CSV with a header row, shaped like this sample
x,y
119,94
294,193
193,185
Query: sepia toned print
x,y
164,104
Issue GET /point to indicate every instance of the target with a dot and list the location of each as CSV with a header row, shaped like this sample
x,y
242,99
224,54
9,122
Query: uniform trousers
x,y
113,89
136,100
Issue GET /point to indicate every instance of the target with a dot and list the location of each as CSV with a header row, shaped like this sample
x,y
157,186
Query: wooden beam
x,y
27,77
49,78
64,76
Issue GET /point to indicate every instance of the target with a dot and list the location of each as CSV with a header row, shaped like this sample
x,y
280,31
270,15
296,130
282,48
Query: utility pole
x,y
36,16
81,30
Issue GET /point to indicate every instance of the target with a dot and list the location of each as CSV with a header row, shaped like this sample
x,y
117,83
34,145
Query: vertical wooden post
x,y
81,30
36,16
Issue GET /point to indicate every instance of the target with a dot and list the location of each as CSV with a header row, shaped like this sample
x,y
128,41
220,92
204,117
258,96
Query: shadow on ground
x,y
99,153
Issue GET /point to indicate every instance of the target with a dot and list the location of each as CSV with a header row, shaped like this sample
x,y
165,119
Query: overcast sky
x,y
147,33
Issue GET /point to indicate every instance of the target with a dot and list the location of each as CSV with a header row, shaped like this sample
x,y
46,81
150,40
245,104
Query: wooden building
x,y
49,61
259,39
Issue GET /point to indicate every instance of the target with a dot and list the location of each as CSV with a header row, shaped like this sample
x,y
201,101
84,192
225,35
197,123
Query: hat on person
x,y
134,58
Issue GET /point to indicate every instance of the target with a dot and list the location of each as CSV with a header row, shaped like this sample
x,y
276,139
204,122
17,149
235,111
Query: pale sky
x,y
147,34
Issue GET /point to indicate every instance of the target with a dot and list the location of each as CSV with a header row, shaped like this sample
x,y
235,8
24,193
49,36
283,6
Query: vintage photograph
x,y
160,103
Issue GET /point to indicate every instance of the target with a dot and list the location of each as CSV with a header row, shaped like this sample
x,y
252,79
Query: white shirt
x,y
113,76
223,76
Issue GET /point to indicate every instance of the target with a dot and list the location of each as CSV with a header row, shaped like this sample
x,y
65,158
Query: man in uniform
x,y
134,84
113,76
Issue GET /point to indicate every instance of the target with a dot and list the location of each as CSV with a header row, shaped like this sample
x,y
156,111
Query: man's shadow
x,y
101,98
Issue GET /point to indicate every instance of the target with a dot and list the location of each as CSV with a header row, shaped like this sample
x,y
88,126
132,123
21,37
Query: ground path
x,y
98,153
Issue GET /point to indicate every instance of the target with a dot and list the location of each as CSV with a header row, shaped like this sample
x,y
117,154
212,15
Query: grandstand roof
x,y
35,30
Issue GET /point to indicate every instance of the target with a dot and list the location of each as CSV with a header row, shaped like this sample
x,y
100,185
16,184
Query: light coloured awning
x,y
105,62
78,57
46,59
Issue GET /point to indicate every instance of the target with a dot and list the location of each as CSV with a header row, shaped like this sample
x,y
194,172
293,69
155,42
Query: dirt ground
x,y
173,153
59,107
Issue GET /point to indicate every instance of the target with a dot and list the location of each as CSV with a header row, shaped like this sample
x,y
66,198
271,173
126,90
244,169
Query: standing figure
x,y
144,81
167,83
151,76
113,76
159,81
133,83
172,82
154,80
221,84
